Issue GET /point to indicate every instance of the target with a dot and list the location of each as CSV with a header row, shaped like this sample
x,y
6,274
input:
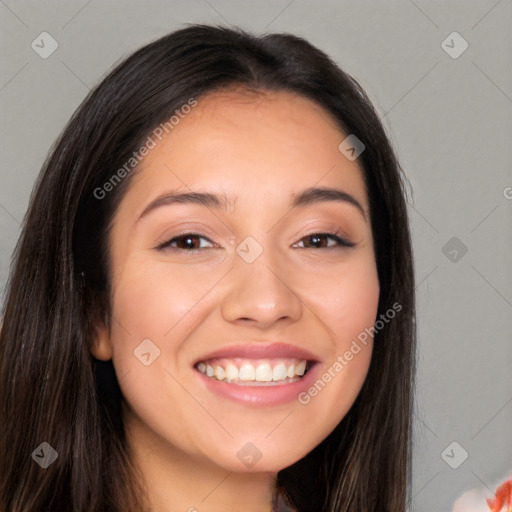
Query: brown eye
x,y
189,242
320,241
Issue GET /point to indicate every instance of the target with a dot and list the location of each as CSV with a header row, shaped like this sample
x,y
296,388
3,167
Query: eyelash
x,y
341,242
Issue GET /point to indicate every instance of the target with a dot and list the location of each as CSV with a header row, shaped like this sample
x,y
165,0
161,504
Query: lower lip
x,y
261,395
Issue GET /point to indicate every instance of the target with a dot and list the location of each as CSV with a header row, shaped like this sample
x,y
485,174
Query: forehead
x,y
284,105
250,116
255,142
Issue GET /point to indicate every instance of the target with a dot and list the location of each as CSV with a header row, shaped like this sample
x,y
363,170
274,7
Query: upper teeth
x,y
253,370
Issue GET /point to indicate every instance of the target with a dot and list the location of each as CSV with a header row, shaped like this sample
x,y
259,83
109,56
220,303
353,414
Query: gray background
x,y
450,121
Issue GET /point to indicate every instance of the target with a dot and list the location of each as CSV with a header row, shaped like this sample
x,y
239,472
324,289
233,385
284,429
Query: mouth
x,y
255,372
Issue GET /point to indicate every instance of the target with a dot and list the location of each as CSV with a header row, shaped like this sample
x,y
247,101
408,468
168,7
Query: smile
x,y
255,372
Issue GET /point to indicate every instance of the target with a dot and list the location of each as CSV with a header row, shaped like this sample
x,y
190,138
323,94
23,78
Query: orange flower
x,y
503,498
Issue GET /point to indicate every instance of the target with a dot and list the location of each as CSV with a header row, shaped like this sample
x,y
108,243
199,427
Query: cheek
x,y
345,298
151,303
155,301
346,302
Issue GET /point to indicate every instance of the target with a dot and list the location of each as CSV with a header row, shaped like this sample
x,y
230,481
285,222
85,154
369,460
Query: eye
x,y
189,242
320,241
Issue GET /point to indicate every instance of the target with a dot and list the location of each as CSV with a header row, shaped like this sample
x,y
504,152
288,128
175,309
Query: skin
x,y
259,148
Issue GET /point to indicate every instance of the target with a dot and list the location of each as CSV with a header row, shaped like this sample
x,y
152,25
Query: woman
x,y
211,304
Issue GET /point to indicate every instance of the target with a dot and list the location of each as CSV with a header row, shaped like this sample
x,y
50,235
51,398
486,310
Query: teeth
x,y
264,373
301,368
219,373
279,372
231,372
247,372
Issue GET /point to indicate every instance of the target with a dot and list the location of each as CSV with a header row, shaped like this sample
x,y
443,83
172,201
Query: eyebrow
x,y
307,197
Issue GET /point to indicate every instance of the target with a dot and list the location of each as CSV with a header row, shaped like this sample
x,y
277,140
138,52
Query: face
x,y
221,302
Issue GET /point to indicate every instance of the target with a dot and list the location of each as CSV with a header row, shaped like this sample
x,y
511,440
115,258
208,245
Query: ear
x,y
101,345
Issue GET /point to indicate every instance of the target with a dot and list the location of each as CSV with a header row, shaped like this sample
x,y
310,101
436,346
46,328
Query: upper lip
x,y
261,350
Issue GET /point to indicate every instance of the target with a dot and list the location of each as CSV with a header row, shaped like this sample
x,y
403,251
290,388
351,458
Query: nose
x,y
261,293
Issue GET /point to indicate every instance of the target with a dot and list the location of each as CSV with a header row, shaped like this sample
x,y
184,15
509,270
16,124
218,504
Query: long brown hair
x,y
53,390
